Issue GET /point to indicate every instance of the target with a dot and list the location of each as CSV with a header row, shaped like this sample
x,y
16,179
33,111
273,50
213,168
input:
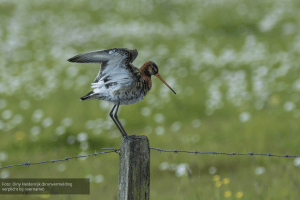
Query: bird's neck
x,y
144,70
145,75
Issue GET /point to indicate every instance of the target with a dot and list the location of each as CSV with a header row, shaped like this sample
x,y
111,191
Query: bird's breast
x,y
145,83
144,80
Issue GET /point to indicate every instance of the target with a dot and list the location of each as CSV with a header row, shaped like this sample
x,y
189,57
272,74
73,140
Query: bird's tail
x,y
91,95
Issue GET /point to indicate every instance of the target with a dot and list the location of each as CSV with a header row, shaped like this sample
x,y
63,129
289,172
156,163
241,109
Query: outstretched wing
x,y
115,64
105,55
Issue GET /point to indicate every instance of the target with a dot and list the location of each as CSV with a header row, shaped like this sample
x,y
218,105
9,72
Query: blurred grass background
x,y
235,68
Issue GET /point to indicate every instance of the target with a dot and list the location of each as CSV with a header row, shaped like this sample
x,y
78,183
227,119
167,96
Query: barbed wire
x,y
229,154
112,150
65,159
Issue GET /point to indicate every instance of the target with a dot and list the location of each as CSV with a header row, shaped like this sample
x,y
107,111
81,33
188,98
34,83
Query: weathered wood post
x,y
134,169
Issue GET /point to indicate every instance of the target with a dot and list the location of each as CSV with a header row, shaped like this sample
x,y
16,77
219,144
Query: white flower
x,y
245,116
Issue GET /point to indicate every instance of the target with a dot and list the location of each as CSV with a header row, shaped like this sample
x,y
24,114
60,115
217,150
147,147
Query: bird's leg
x,y
111,115
116,117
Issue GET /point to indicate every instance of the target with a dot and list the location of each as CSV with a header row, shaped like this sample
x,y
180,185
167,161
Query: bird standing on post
x,y
118,80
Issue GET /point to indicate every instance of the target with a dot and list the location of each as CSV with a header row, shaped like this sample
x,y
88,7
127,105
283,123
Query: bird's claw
x,y
126,137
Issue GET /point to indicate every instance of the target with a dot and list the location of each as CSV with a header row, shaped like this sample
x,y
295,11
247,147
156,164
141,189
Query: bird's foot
x,y
126,137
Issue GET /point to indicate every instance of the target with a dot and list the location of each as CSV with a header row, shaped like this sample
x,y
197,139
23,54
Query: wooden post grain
x,y
134,169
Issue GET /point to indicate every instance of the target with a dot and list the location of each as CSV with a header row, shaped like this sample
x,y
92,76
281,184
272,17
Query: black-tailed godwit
x,y
118,80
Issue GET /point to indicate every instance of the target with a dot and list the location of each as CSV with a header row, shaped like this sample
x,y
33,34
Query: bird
x,y
118,80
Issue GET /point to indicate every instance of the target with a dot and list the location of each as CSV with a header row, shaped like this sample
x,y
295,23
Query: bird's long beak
x,y
160,78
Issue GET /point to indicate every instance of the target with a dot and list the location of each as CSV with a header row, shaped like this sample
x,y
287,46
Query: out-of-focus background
x,y
234,65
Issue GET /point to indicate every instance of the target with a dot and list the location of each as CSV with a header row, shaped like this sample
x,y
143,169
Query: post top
x,y
132,138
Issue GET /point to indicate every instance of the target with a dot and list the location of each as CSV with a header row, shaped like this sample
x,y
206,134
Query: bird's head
x,y
152,69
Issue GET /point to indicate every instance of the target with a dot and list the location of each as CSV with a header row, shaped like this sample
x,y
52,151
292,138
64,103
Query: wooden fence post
x,y
134,169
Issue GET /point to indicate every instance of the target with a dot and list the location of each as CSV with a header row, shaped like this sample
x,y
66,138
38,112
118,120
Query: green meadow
x,y
233,64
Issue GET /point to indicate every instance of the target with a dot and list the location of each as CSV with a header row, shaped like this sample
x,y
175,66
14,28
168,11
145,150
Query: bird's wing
x,y
105,55
116,64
